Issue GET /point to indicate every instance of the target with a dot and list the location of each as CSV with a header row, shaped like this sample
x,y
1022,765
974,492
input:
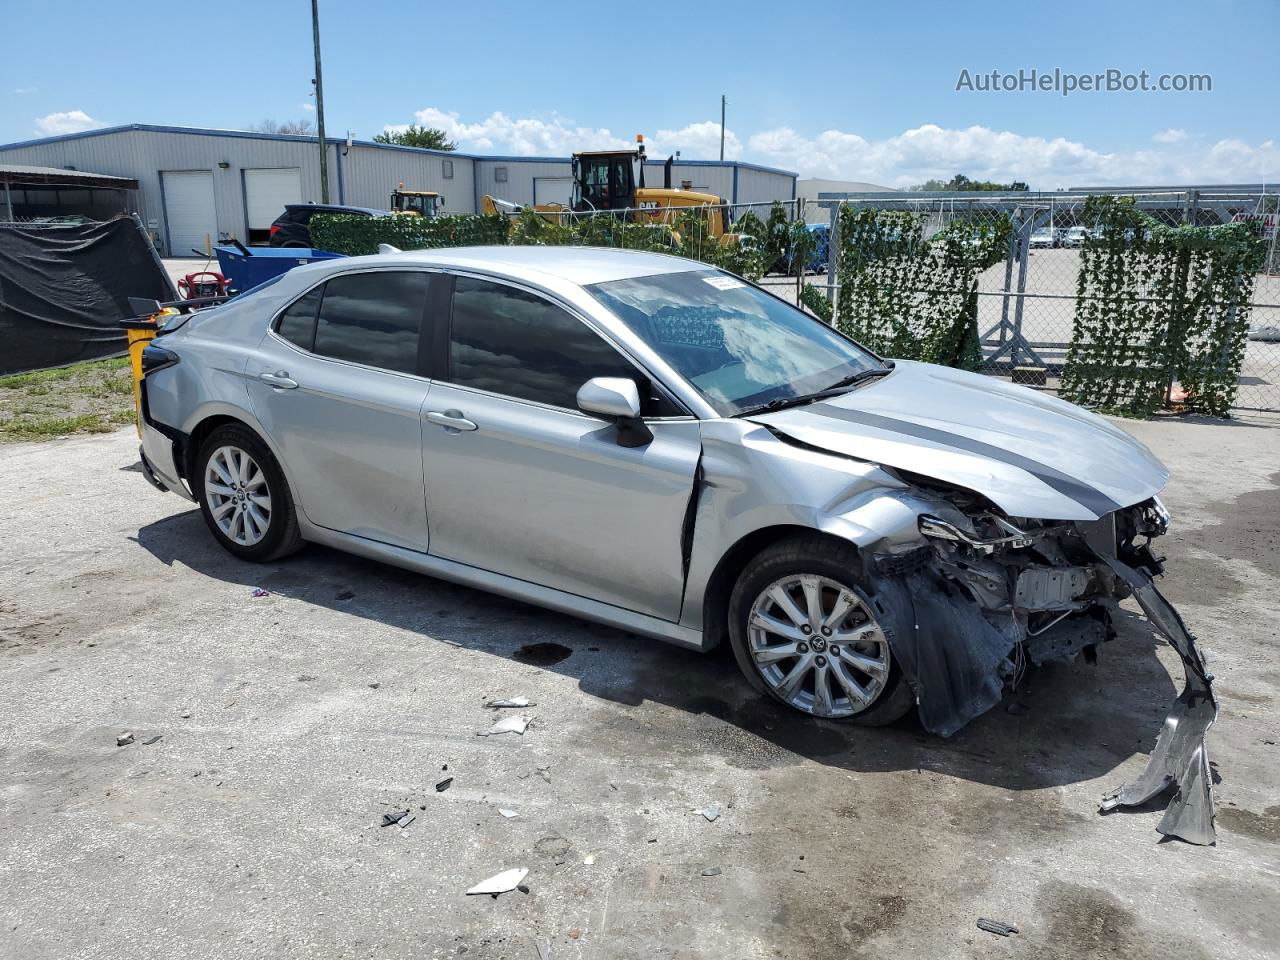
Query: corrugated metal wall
x,y
364,177
369,174
518,187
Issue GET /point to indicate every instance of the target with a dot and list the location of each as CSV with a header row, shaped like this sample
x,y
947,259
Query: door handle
x,y
451,420
280,380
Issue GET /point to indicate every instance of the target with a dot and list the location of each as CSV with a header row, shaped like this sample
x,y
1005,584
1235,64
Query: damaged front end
x,y
1002,592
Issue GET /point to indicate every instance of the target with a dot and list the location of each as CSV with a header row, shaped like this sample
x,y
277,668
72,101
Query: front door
x,y
335,385
520,483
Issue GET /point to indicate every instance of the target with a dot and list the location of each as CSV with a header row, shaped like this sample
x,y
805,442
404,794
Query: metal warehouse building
x,y
197,186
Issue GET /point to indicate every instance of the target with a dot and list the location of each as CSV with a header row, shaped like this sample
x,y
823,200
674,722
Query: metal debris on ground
x,y
507,812
517,702
444,784
711,872
711,811
124,739
996,926
503,882
516,724
259,592
394,817
150,740
405,821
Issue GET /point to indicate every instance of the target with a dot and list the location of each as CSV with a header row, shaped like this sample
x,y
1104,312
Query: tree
x,y
294,128
415,136
961,182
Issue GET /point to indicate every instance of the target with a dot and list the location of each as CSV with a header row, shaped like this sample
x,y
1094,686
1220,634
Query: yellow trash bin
x,y
141,331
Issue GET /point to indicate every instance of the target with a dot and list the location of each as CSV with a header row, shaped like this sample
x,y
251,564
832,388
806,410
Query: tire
x,y
253,515
799,567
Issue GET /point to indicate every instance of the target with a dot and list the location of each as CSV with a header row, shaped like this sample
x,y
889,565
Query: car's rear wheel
x,y
244,497
807,631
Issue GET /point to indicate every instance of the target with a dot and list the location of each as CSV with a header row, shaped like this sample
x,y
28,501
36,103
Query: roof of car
x,y
331,206
579,265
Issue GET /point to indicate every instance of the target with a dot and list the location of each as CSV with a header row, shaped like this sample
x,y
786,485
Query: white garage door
x,y
267,192
189,210
552,190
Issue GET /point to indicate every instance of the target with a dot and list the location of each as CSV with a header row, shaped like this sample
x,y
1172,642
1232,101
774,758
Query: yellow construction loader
x,y
416,203
613,180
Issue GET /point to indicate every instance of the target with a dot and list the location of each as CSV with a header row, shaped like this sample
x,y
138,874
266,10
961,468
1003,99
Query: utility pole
x,y
319,82
723,101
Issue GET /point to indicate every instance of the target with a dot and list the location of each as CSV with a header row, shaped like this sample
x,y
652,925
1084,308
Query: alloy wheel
x,y
818,645
238,496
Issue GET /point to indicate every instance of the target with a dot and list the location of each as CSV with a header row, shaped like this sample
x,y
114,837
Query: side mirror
x,y
616,399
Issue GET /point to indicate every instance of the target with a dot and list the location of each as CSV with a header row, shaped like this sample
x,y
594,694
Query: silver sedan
x,y
651,443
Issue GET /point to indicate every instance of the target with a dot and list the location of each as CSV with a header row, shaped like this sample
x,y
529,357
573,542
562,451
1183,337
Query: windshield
x,y
739,346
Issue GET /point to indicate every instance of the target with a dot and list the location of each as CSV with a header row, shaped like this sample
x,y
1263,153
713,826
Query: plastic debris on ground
x,y
544,949
711,811
997,927
504,882
259,592
444,784
517,724
405,821
394,817
589,859
150,740
516,702
507,812
711,872
124,739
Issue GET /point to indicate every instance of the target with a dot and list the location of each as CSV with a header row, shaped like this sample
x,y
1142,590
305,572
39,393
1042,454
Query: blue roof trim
x,y
252,135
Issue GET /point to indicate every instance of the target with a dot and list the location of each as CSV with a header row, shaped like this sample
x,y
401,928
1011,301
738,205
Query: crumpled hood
x,y
1030,453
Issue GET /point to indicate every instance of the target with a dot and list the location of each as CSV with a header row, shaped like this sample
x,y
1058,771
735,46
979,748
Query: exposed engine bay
x,y
1006,592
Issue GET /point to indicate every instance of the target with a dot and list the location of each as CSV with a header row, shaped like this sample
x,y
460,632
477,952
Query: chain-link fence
x,y
1028,301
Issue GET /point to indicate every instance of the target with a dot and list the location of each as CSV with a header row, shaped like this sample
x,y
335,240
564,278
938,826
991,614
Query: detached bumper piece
x,y
1179,759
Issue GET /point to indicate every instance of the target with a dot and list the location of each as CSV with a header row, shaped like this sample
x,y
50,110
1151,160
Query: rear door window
x,y
374,319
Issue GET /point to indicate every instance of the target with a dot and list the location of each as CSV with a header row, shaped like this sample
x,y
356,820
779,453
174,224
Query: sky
x,y
856,91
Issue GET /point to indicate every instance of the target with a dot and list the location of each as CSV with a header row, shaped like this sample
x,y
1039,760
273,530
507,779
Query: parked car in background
x,y
293,227
1044,237
1075,236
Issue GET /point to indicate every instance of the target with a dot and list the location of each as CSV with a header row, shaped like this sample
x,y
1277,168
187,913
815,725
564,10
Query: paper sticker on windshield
x,y
723,283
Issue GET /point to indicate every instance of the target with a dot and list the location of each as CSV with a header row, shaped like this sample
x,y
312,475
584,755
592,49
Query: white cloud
x,y
309,108
903,160
930,151
21,91
72,121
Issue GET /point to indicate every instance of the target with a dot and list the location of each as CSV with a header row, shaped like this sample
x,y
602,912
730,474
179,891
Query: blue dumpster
x,y
262,263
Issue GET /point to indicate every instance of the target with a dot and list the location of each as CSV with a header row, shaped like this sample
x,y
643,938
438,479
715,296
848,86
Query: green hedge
x,y
1158,305
910,297
357,236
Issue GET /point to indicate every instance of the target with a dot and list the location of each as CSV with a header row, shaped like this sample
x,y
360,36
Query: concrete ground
x,y
290,723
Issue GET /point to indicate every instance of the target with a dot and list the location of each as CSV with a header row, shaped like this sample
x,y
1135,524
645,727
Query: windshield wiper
x,y
782,403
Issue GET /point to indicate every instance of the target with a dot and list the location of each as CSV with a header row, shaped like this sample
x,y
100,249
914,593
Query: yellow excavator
x,y
415,203
609,180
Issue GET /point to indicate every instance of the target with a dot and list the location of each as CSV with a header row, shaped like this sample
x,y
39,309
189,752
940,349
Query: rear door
x,y
337,385
521,483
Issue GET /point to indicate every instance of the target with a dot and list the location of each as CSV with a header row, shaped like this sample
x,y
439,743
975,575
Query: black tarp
x,y
64,289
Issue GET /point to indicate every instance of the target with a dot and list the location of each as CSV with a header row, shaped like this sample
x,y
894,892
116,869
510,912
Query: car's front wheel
x,y
806,631
244,497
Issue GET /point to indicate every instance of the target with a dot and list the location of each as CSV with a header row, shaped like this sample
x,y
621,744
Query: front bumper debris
x,y
984,597
1179,758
